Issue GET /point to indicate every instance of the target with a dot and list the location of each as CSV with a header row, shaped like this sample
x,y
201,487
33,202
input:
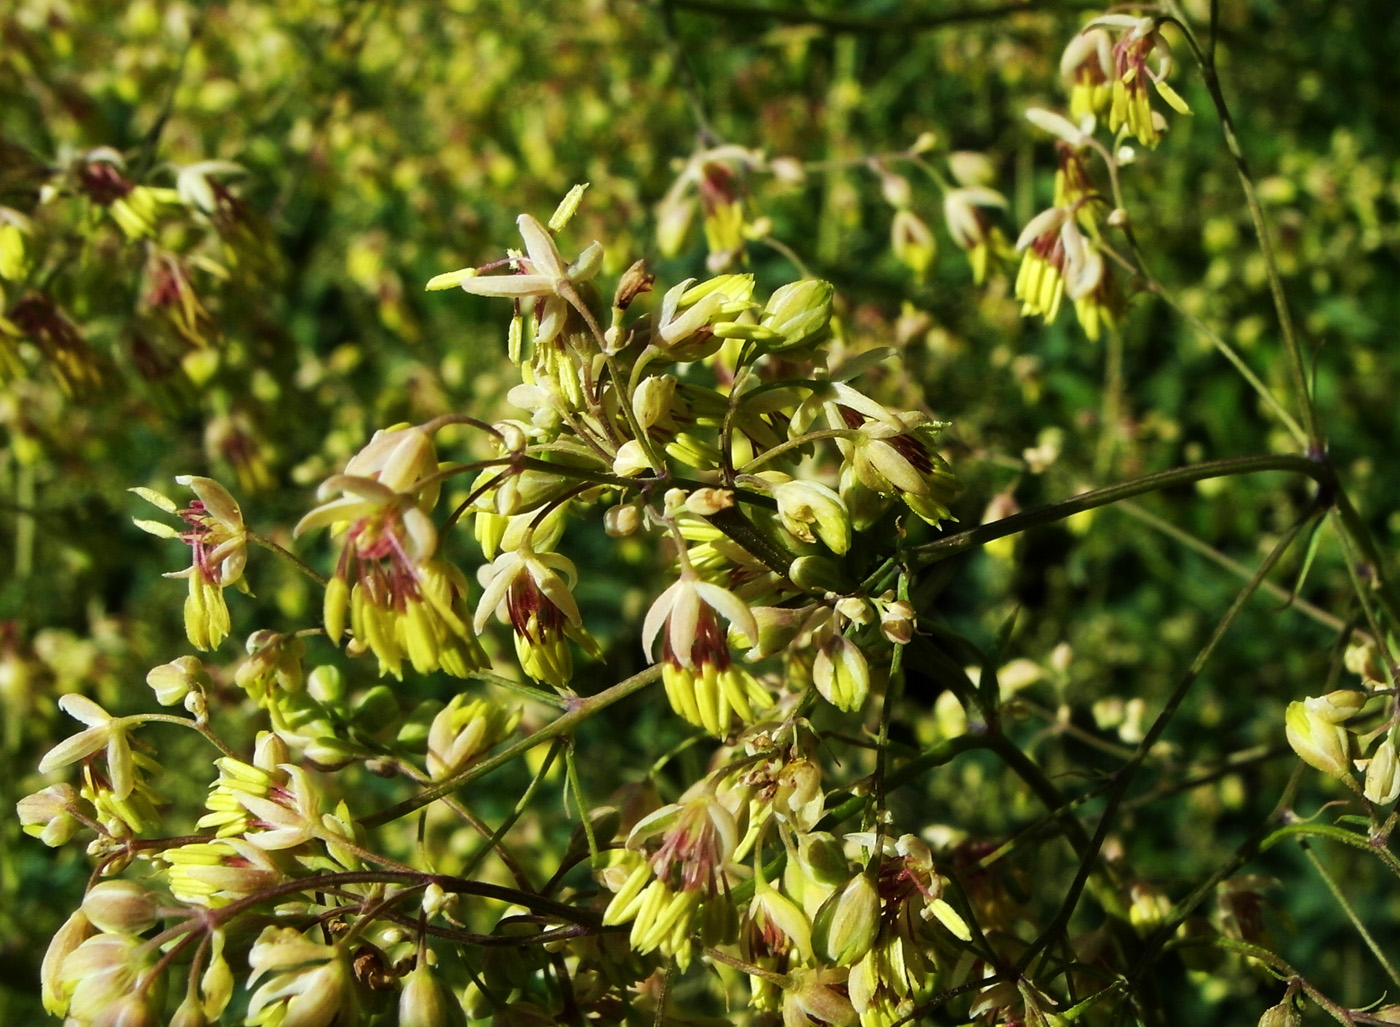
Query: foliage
x,y
974,420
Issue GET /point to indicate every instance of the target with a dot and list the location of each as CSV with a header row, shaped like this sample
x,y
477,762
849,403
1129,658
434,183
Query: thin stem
x,y
1125,775
1347,909
1291,343
474,860
580,710
289,556
972,538
166,718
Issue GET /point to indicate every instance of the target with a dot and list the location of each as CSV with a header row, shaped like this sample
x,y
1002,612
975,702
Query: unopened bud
x,y
1286,1014
426,1002
1318,741
841,674
48,814
800,312
1382,784
172,681
846,925
120,907
1337,707
897,622
634,281
708,501
621,521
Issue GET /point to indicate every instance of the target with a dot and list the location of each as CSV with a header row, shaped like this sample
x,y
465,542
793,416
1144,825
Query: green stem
x,y
580,710
289,556
931,552
1126,774
1291,343
1341,898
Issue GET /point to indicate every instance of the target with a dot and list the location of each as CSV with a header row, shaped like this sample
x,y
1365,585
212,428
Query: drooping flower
x,y
702,681
219,543
540,275
535,593
401,598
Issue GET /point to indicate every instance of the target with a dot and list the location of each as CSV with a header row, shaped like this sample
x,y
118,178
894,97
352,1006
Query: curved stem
x,y
580,710
1291,343
1127,772
289,556
972,538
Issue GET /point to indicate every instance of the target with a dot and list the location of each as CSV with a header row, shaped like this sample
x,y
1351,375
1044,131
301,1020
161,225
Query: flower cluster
x,y
1064,248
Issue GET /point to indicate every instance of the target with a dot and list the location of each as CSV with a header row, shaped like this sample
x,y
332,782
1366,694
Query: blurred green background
x,y
261,336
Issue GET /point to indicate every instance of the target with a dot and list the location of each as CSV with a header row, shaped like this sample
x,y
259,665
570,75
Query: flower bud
x,y
912,242
897,622
426,1002
171,681
846,926
1286,1014
631,460
800,312
841,674
1337,707
120,907
189,1014
810,510
1318,740
621,521
1382,784
48,814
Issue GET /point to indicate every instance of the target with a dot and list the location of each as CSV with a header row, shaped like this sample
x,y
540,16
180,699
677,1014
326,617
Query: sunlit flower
x,y
219,542
540,275
103,732
534,591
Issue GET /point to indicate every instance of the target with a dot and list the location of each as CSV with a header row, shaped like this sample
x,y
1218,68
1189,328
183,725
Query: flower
x,y
701,680
1129,107
402,599
534,591
1317,738
1060,260
103,732
219,543
312,984
541,275
461,731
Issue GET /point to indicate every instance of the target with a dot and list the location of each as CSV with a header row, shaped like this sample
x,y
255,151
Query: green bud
x,y
817,574
841,674
326,685
120,907
846,926
1318,740
426,1002
810,510
800,314
376,709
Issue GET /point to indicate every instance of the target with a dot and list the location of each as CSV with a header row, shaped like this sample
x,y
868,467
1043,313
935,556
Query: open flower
x,y
534,591
541,275
103,732
401,598
219,543
702,682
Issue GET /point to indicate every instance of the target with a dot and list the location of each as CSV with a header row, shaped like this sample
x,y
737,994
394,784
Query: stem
x,y
289,556
1233,566
1341,898
166,718
1291,343
1125,775
972,538
580,711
